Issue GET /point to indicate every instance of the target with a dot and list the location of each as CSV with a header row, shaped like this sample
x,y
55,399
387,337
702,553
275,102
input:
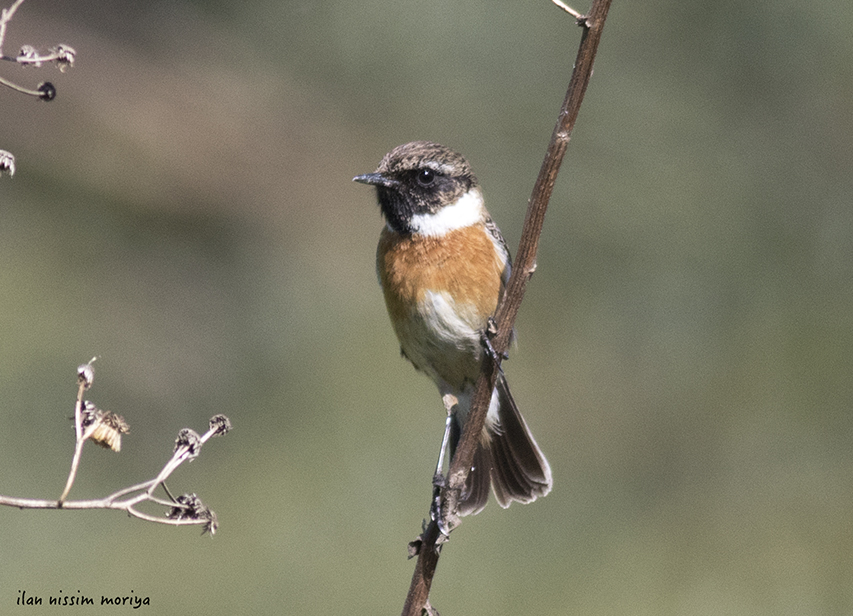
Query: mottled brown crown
x,y
419,177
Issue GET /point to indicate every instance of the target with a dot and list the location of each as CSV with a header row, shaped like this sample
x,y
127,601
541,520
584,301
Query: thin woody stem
x,y
568,9
79,442
105,428
417,599
121,499
20,89
5,17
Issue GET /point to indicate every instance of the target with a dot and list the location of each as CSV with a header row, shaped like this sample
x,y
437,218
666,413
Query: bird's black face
x,y
418,178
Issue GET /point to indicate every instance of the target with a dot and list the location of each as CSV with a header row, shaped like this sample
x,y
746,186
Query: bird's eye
x,y
426,177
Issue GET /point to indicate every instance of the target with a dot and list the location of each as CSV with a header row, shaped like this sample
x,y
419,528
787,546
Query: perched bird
x,y
443,265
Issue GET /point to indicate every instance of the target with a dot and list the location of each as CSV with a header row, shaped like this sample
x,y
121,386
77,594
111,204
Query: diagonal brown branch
x,y
525,264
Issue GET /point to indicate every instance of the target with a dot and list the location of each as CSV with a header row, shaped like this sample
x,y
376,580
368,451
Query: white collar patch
x,y
466,211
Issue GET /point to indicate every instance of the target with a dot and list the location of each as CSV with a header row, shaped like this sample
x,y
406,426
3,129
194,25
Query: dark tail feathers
x,y
510,461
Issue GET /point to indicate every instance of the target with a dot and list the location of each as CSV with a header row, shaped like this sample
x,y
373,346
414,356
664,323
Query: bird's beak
x,y
375,179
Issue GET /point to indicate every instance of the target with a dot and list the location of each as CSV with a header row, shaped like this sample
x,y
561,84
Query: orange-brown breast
x,y
464,263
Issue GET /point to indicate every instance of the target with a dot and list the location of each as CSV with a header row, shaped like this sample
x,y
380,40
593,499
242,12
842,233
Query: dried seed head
x,y
190,507
103,427
64,56
219,425
85,375
7,163
191,440
28,56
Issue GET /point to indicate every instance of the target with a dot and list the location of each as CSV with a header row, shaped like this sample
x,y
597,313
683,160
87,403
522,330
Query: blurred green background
x,y
184,210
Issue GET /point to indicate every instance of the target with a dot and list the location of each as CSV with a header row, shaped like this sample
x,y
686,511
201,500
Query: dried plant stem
x,y
428,546
105,428
5,17
141,492
80,441
18,88
122,499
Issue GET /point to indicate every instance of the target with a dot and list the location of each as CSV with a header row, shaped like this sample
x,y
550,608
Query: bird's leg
x,y
490,332
450,401
438,481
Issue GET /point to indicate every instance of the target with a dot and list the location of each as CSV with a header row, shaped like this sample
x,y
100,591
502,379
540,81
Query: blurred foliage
x,y
184,211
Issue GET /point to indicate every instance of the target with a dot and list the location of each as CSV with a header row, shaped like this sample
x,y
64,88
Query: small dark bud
x,y
414,547
47,91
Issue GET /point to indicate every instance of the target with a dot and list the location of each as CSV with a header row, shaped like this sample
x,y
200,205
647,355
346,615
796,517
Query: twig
x,y
428,545
5,17
62,55
45,91
568,9
85,376
105,428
